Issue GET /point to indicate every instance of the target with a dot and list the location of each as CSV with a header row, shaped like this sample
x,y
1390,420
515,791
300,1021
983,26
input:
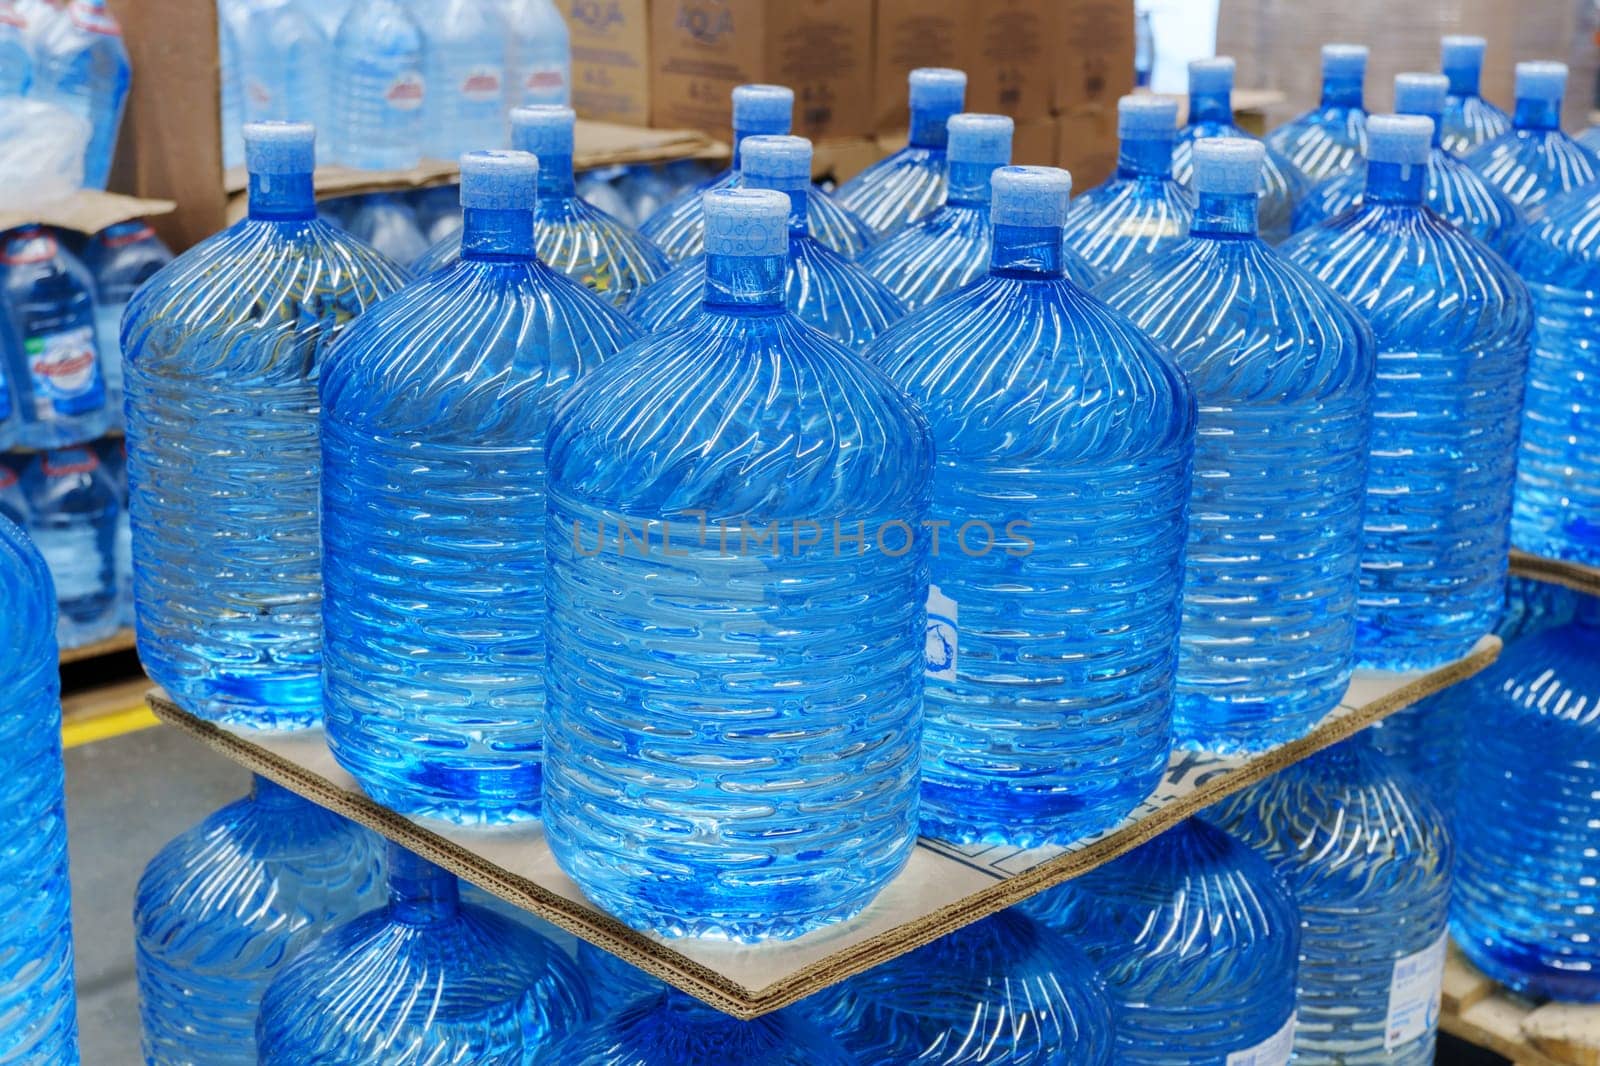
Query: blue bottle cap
x,y
1420,94
1344,61
1211,75
776,160
1541,80
1403,139
938,89
1461,53
1030,196
1228,166
499,180
746,222
280,147
980,139
544,129
763,108
1146,116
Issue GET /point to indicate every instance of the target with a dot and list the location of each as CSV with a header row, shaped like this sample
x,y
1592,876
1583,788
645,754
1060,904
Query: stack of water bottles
x,y
938,506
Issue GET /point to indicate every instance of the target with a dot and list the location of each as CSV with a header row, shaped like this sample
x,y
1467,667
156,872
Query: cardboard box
x,y
909,34
1093,59
839,161
1086,144
701,49
1034,143
610,59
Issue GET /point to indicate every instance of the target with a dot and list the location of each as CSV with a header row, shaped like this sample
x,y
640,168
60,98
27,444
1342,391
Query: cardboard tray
x,y
86,211
1575,576
1475,1009
942,888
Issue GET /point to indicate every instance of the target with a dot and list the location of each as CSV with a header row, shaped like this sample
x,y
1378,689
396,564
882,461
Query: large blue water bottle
x,y
1065,438
225,904
1140,209
1211,115
37,1004
821,287
1469,120
1535,160
120,258
72,517
443,393
668,1028
425,979
464,63
1367,856
1197,938
738,569
378,87
1331,137
1452,324
1527,874
82,65
906,185
222,350
1282,370
1451,188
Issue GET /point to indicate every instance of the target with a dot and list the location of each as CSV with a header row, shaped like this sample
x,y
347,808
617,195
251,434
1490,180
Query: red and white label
x,y
481,85
405,92
64,362
545,80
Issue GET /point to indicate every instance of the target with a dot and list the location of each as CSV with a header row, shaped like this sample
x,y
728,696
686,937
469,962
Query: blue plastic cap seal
x,y
1211,75
1146,116
938,89
499,180
1030,196
1228,166
1541,80
1404,139
746,222
763,108
545,129
776,160
1420,94
280,147
1461,53
1344,61
980,139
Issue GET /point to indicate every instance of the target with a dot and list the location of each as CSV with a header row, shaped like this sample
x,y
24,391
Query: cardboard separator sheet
x,y
85,211
942,887
1575,576
1476,1009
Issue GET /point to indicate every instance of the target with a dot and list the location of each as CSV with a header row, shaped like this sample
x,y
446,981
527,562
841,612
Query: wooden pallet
x,y
1476,1009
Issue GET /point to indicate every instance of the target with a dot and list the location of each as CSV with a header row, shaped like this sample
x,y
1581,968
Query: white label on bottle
x,y
481,85
405,92
1273,1051
73,556
942,636
1414,994
63,364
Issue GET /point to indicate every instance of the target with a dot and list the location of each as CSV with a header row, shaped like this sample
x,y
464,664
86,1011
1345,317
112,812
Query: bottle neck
x,y
556,181
1341,92
1464,81
1145,157
969,182
419,892
1210,107
495,234
744,282
1438,130
1028,251
929,129
1394,183
270,794
1225,215
1537,115
282,196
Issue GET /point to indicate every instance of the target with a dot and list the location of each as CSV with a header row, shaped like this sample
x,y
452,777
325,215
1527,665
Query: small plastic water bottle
x,y
387,223
225,904
16,59
704,570
36,987
668,1028
81,64
539,66
114,460
455,377
1452,324
1469,120
222,351
1140,209
231,89
286,63
464,72
120,258
1367,856
1052,631
821,287
1534,160
72,506
1331,138
378,87
427,978
906,185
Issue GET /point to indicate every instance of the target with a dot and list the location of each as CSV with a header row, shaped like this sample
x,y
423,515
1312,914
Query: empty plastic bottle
x,y
668,1028
387,223
1331,138
1367,856
378,87
1211,115
286,62
16,60
1140,209
1197,939
1469,120
721,496
464,76
1052,629
1452,324
1282,370
81,64
906,185
36,987
425,979
539,64
455,377
114,460
1534,161
225,904
222,350
821,287
1005,989
47,332
72,506
120,258
678,228
1527,874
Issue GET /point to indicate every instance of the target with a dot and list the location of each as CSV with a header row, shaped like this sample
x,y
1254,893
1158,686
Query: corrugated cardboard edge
x,y
1575,576
87,211
720,992
1477,1010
